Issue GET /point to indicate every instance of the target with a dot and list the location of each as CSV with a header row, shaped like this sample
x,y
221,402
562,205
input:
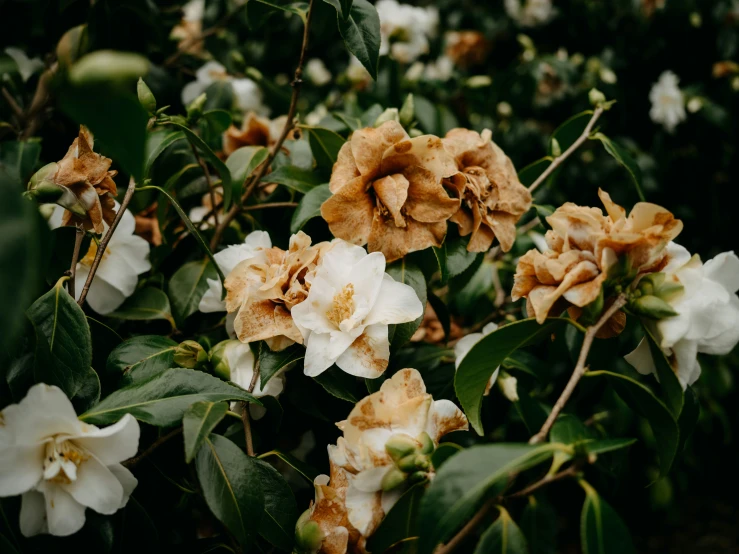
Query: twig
x,y
467,529
566,154
17,110
204,167
571,471
245,410
270,205
289,124
75,257
156,444
40,99
106,239
579,370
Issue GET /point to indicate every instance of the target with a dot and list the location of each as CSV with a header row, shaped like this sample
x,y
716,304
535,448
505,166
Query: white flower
x,y
530,13
465,344
344,320
26,66
668,102
61,465
316,71
440,70
193,11
708,314
314,118
247,93
125,258
405,29
357,73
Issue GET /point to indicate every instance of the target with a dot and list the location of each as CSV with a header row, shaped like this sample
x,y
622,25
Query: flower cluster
x,y
405,29
392,192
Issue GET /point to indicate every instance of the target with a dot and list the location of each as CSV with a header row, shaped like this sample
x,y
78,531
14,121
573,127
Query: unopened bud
x,y
308,534
392,479
427,444
556,148
417,477
190,354
508,386
219,360
146,97
72,46
407,111
399,446
390,114
479,81
652,307
195,109
109,67
596,97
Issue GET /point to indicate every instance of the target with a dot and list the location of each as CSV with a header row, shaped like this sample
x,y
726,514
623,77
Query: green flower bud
x,y
407,111
146,97
669,290
190,354
308,534
392,479
399,446
427,444
108,67
417,477
72,45
219,361
414,461
195,109
413,133
556,148
596,97
479,81
390,114
42,187
652,307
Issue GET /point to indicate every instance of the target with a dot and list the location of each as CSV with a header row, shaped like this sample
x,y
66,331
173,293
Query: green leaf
x,y
339,384
231,487
156,143
443,452
18,159
602,446
280,509
296,178
301,467
567,133
531,412
539,525
568,429
343,7
601,529
643,401
218,120
458,259
242,163
163,399
64,345
361,34
503,536
105,340
198,422
688,417
531,172
622,156
309,207
466,479
146,304
401,522
672,390
325,145
297,8
272,362
480,362
188,285
141,358
405,271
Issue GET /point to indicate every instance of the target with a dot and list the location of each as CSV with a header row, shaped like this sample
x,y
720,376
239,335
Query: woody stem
x,y
208,180
75,257
245,418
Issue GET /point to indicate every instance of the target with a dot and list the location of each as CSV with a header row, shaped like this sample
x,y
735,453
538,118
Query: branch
x,y
556,162
106,240
270,205
245,408
289,125
75,257
579,370
17,110
571,471
156,444
204,167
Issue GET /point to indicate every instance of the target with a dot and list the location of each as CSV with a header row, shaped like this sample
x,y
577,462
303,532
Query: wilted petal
x,y
349,212
395,242
428,202
368,355
369,144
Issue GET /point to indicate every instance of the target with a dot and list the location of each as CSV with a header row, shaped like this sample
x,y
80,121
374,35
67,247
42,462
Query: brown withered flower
x,y
263,289
584,244
255,131
467,48
493,199
388,193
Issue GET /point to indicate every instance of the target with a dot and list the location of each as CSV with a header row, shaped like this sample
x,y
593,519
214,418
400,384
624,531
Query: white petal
x,y
258,239
361,508
112,444
678,256
445,417
396,303
64,515
103,297
135,251
45,411
464,345
688,368
369,355
116,271
493,379
192,90
96,487
126,226
33,514
370,480
126,479
323,349
310,315
724,269
209,72
21,467
211,300
367,278
389,498
248,96
641,359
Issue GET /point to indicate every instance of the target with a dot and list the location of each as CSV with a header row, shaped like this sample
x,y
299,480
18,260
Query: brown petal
x,y
262,320
349,212
614,211
345,168
395,242
393,192
481,240
369,144
426,151
428,201
463,218
504,226
543,298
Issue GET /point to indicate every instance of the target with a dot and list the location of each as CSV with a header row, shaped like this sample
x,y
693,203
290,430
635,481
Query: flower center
x,y
61,460
92,252
342,306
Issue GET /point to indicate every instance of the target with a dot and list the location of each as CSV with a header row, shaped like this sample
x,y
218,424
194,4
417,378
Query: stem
x,y
556,162
75,256
106,239
289,124
579,370
17,110
467,529
571,471
156,444
204,167
271,205
245,409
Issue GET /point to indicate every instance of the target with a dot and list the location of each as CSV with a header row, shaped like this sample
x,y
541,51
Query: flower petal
x,y
64,515
724,269
395,303
641,358
368,355
21,466
112,444
127,481
370,480
45,411
349,212
96,487
444,418
323,349
33,514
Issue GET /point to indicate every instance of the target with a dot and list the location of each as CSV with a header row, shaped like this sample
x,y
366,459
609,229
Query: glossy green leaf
x,y
643,401
218,120
163,399
296,178
272,362
105,340
443,452
361,34
401,522
531,172
531,411
64,345
622,156
672,391
539,526
310,473
458,259
145,304
156,143
242,163
688,417
601,529
602,446
503,537
466,479
569,131
280,509
141,358
343,7
309,207
198,422
231,486
405,271
480,362
18,159
568,429
325,145
339,384
188,285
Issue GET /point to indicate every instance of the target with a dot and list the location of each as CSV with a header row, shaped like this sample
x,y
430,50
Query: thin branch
x,y
208,180
106,239
579,370
467,529
156,444
289,125
571,471
245,418
270,205
566,154
75,257
17,110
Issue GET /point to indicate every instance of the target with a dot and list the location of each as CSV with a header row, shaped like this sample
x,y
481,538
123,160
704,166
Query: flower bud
x,y
146,98
392,479
190,354
479,81
399,446
42,186
427,444
413,462
407,111
652,307
72,45
556,148
308,534
508,386
390,114
596,97
108,66
418,476
195,109
219,361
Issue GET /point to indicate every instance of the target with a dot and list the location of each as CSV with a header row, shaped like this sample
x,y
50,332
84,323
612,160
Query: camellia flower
x,y
466,48
493,199
387,439
254,131
317,72
61,465
189,29
82,183
668,102
247,95
530,13
441,69
707,319
264,288
344,320
465,344
26,66
388,191
125,258
584,244
404,29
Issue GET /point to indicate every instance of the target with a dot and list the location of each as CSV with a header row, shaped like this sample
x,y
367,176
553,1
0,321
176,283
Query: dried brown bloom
x,y
263,289
255,131
147,225
584,244
467,48
493,199
725,68
388,191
